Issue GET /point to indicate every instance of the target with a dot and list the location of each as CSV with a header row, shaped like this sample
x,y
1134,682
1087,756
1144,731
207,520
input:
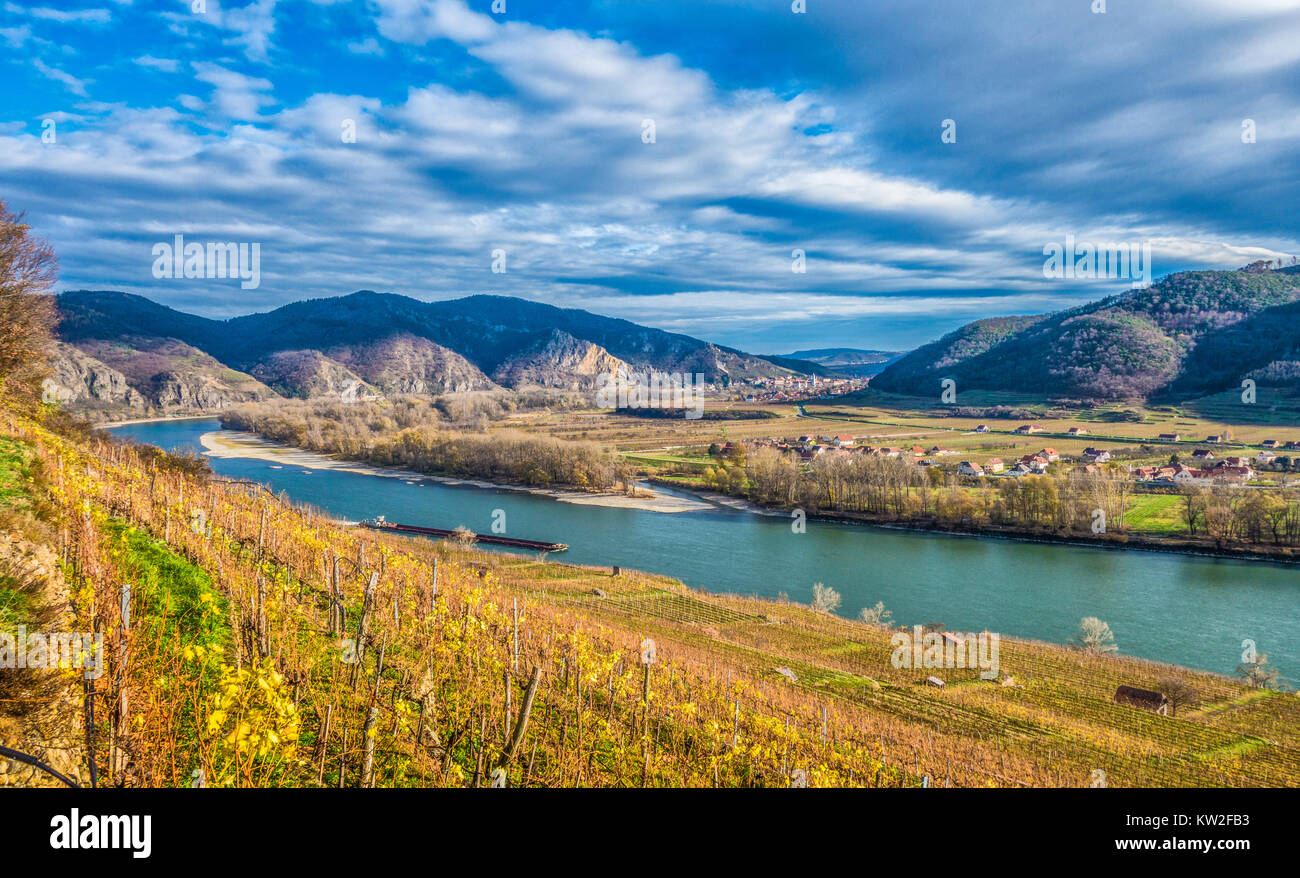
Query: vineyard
x,y
251,642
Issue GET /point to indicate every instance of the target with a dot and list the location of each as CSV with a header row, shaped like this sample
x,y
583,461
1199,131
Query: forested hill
x,y
124,351
1191,334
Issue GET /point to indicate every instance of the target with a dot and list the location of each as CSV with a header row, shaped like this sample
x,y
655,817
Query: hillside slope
x,y
272,647
484,330
149,373
1191,334
309,374
134,356
558,360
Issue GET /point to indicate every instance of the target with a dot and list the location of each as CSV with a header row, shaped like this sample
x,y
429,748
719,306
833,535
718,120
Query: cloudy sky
x,y
126,122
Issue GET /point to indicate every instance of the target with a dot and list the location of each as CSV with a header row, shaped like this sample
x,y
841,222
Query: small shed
x,y
935,681
1156,702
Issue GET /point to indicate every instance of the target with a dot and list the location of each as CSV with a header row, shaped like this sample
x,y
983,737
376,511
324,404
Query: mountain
x,y
845,361
79,379
558,360
363,343
842,356
407,363
309,374
160,373
1194,333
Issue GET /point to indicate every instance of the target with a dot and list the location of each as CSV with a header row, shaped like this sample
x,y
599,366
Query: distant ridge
x,y
843,361
1192,334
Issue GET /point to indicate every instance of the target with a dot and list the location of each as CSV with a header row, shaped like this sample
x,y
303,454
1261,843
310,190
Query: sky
x,y
856,174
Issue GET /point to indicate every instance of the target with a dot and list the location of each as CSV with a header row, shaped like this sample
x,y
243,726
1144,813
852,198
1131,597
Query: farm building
x,y
1156,702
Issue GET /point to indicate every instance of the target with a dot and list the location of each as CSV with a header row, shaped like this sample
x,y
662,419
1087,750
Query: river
x,y
1188,610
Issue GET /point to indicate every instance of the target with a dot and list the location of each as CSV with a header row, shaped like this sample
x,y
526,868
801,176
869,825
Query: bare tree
x,y
1260,673
876,615
1194,501
27,314
825,599
1181,694
1095,636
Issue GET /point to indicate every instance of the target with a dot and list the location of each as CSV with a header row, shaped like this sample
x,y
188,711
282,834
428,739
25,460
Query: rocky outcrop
x,y
405,363
79,378
174,377
558,360
311,375
191,391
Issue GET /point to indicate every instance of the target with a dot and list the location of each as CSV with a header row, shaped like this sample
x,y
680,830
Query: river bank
x,y
1277,555
236,443
104,425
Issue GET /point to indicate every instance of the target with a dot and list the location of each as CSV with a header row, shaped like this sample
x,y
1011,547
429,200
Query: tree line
x,y
1059,500
409,433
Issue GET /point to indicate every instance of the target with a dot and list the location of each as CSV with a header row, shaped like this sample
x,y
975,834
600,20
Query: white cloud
x,y
552,167
1246,8
167,65
252,25
62,16
14,37
1273,50
70,82
368,46
419,21
235,95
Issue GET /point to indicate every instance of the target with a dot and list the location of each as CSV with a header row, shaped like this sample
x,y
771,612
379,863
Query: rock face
x,y
558,360
405,363
78,378
187,391
167,376
311,375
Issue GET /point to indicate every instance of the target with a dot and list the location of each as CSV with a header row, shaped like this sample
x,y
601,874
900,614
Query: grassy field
x,y
889,419
1156,514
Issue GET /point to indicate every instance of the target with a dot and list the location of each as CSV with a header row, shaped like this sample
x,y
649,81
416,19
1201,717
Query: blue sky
x,y
774,131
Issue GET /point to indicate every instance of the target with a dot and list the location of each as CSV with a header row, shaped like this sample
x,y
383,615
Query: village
x,y
1205,466
798,388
